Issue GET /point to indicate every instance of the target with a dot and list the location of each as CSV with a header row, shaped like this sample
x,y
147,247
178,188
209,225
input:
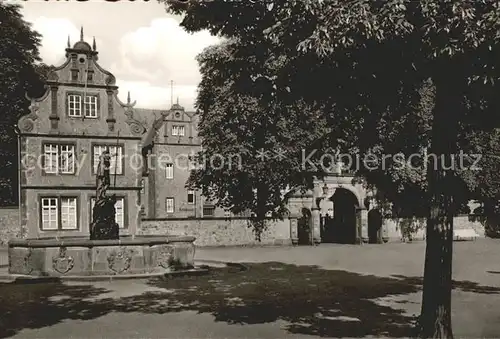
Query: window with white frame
x,y
59,158
91,106
169,170
74,105
190,197
86,103
169,205
50,218
116,157
68,214
119,211
67,159
178,130
59,213
50,158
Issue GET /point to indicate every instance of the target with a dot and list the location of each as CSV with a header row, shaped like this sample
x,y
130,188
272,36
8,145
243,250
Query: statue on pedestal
x,y
103,226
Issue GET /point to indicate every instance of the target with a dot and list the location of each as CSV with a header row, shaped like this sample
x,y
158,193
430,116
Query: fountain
x,y
104,254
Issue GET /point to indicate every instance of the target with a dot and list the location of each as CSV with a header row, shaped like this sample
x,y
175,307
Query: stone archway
x,y
375,221
341,225
304,229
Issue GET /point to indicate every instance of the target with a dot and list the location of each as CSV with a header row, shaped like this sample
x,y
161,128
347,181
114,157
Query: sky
x,y
142,45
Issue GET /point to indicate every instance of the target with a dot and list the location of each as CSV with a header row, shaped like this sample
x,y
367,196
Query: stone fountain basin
x,y
84,257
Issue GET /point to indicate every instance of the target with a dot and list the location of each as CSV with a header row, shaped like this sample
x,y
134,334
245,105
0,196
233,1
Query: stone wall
x,y
219,231
469,222
417,225
235,231
9,224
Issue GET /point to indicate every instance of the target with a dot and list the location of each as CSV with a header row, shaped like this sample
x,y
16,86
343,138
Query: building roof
x,y
146,115
82,46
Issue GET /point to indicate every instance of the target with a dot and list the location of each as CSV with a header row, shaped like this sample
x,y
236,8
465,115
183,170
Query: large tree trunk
x,y
435,318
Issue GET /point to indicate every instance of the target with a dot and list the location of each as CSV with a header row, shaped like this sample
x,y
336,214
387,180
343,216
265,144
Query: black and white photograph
x,y
249,169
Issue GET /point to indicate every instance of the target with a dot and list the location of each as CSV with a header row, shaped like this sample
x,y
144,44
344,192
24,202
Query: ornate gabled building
x,y
60,141
176,141
167,196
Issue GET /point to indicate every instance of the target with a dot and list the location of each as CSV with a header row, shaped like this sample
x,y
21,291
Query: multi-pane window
x,y
82,103
51,155
59,213
208,210
50,218
68,214
190,197
119,211
59,158
90,106
178,130
169,205
115,161
74,105
67,159
169,169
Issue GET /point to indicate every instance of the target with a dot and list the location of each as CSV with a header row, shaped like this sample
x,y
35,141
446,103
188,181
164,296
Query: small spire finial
x,y
69,42
94,45
81,33
128,97
177,100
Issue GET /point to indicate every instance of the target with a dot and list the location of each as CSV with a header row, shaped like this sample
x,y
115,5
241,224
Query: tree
x,y
484,183
18,76
371,58
244,167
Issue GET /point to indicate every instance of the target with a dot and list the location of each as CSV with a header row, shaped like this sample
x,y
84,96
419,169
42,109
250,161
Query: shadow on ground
x,y
311,300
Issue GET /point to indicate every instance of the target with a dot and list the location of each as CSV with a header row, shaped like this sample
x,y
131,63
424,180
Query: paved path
x,y
264,303
472,259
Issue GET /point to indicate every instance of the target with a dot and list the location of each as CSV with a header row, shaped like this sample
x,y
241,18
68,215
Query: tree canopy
x,y
365,65
18,76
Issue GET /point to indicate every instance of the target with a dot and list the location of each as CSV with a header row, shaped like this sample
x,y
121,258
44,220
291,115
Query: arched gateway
x,y
337,212
338,224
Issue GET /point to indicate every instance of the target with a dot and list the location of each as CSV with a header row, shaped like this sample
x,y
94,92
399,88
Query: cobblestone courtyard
x,y
329,290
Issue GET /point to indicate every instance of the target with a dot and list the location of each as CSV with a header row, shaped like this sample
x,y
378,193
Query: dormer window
x,y
178,130
87,104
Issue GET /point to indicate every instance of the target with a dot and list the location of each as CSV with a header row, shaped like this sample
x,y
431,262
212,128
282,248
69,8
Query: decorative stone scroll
x,y
110,79
27,122
136,127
